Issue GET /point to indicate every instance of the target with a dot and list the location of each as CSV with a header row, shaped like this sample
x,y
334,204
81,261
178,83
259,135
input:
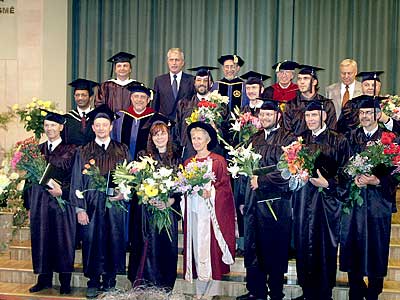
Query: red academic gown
x,y
225,213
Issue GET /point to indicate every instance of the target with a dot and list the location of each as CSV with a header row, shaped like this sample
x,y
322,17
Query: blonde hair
x,y
176,50
202,131
348,62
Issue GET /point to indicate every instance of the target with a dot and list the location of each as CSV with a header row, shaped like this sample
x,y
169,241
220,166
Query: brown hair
x,y
151,147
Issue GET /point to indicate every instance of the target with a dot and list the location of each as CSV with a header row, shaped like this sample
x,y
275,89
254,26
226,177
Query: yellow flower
x,y
92,161
47,104
40,102
34,99
28,118
150,191
28,105
15,107
43,113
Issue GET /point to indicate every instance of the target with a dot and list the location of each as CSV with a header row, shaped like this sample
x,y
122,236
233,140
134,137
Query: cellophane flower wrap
x,y
383,153
151,182
210,111
391,106
97,182
194,177
31,162
296,164
244,125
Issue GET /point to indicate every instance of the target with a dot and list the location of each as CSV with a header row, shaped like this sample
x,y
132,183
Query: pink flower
x,y
16,158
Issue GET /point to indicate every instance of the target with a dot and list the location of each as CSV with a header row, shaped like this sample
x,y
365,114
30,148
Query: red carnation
x,y
387,138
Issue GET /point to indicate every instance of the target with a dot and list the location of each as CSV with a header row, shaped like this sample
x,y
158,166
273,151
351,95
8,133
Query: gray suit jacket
x,y
333,92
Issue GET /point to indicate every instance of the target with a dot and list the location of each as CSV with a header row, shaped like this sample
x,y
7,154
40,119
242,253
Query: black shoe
x,y
247,296
65,290
38,287
92,292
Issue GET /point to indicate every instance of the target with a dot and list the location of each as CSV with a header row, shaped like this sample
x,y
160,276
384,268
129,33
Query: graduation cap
x,y
83,84
54,117
372,75
207,127
236,59
315,104
120,57
309,70
285,65
102,111
159,118
140,88
326,165
271,104
204,71
365,101
253,77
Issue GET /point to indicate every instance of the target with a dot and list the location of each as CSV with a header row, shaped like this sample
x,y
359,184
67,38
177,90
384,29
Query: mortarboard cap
x,y
372,75
236,59
365,101
159,118
133,88
253,77
121,57
315,104
270,104
102,111
202,70
285,65
54,117
83,84
309,70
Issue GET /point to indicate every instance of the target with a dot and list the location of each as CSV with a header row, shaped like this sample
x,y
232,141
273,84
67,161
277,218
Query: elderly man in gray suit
x,y
348,88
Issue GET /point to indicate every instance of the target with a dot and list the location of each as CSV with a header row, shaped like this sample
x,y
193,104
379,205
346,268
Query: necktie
x,y
346,96
83,121
103,146
50,147
175,86
369,135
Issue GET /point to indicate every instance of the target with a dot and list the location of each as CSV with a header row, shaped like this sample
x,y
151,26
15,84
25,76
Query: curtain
x,y
315,32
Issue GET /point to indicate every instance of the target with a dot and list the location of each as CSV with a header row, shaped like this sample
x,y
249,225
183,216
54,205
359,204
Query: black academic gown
x,y
293,116
52,229
74,133
365,232
103,239
267,240
316,218
153,258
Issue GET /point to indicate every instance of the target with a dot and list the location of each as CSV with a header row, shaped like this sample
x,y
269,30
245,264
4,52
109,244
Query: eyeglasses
x,y
366,113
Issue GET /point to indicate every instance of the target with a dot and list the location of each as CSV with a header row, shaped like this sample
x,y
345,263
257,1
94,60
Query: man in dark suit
x,y
173,86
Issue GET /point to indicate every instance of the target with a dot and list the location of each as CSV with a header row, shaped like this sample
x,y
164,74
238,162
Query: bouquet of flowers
x,y
391,107
245,124
296,164
194,177
211,110
97,183
244,161
151,184
28,159
33,116
379,156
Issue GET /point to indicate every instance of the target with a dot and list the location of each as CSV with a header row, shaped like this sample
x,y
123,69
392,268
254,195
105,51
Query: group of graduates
x,y
130,120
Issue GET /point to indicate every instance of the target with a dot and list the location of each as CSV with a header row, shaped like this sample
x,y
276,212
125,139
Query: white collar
x,y
370,133
203,96
259,103
178,76
320,131
54,143
86,111
121,82
268,131
106,142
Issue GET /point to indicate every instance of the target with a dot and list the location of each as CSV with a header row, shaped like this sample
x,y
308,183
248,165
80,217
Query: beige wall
x,y
40,67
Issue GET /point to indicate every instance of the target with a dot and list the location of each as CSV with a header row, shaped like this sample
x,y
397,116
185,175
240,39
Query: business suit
x,y
164,101
333,92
